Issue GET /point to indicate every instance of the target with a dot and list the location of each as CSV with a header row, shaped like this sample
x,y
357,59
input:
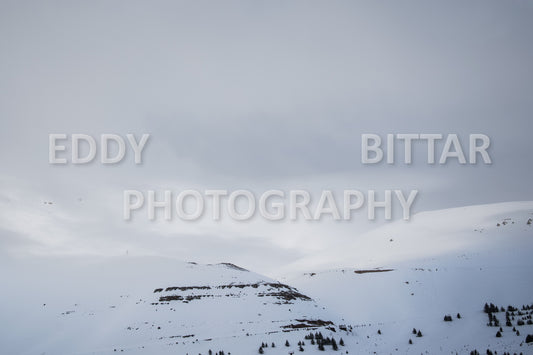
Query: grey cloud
x,y
260,95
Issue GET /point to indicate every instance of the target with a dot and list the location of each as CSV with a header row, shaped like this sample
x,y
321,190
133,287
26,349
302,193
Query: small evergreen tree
x,y
261,350
341,342
287,343
410,341
419,334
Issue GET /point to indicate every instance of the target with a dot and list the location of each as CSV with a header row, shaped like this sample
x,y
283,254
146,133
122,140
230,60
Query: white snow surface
x,y
441,262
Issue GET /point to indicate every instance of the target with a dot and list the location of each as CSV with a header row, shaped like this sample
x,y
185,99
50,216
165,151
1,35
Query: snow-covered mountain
x,y
150,305
371,294
445,262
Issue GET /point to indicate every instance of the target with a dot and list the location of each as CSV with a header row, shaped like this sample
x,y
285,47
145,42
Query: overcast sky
x,y
254,95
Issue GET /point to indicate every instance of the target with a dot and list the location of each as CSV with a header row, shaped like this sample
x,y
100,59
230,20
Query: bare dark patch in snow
x,y
372,270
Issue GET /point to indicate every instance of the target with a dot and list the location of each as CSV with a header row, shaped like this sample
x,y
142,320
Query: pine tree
x,y
341,342
419,334
410,341
261,350
287,343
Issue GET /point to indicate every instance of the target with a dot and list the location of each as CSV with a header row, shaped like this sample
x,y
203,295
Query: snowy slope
x,y
393,279
444,262
148,305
